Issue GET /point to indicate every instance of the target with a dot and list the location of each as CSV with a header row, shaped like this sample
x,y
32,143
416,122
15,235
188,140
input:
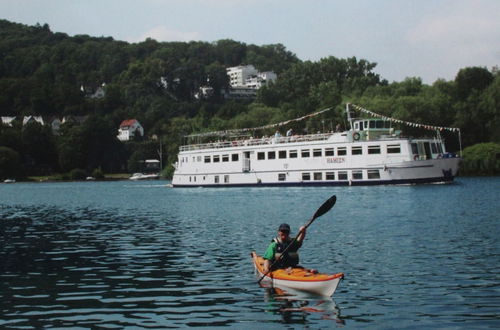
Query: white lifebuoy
x,y
356,136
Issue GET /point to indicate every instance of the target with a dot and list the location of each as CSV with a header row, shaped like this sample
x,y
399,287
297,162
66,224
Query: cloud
x,y
461,33
162,33
457,34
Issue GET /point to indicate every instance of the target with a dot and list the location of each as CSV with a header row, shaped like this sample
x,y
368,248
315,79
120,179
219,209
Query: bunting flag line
x,y
242,130
394,120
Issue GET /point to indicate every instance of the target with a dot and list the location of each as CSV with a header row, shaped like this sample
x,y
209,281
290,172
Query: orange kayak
x,y
298,278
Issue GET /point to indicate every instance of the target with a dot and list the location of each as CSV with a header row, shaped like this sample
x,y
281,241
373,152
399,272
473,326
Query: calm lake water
x,y
139,254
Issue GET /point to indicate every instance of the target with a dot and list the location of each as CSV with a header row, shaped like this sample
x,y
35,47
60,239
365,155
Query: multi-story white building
x,y
238,75
262,78
248,76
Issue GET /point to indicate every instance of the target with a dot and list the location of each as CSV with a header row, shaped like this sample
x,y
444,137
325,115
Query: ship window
x,y
414,148
305,153
189,179
226,178
373,150
282,154
216,179
318,176
194,179
293,154
380,123
330,175
434,148
357,150
281,176
342,151
225,158
393,149
216,158
207,159
234,157
316,152
271,155
373,174
372,124
198,159
357,175
329,152
342,175
261,155
306,176
440,148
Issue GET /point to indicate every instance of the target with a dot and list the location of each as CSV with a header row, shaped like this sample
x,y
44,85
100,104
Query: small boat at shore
x,y
298,278
142,176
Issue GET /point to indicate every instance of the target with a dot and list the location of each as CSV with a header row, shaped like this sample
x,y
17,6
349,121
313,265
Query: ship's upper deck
x,y
259,141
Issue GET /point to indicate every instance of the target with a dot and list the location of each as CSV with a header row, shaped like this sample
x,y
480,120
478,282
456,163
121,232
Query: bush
x,y
481,159
10,164
98,174
77,174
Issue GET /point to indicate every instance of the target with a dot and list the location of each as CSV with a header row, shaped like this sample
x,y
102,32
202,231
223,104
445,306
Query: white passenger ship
x,y
370,153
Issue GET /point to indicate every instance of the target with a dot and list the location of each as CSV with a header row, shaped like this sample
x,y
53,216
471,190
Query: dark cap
x,y
284,227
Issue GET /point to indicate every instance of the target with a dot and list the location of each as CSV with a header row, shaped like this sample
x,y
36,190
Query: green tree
x,y
39,149
10,164
482,159
472,79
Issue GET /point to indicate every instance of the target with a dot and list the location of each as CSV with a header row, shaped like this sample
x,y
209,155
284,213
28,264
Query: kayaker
x,y
279,244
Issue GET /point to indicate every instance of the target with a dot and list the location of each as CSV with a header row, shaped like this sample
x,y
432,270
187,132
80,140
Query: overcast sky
x,y
430,39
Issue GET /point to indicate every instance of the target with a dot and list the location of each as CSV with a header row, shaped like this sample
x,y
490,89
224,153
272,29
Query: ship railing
x,y
257,141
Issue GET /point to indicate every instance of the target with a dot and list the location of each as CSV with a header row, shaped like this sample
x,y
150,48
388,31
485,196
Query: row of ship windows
x,y
341,151
304,153
310,176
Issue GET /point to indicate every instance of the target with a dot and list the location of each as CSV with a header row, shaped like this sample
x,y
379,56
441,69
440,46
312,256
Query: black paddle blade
x,y
325,207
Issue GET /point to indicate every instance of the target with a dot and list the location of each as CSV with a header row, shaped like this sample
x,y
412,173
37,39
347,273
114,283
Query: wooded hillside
x,y
42,73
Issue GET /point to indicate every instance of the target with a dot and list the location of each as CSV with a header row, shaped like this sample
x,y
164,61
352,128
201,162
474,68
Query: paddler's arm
x,y
267,265
302,235
269,256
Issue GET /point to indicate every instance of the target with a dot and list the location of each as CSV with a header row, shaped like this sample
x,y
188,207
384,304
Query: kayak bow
x,y
298,278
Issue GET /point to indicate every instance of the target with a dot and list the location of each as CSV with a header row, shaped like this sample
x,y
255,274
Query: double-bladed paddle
x,y
322,210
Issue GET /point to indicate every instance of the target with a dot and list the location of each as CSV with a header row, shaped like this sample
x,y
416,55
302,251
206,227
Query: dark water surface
x,y
139,254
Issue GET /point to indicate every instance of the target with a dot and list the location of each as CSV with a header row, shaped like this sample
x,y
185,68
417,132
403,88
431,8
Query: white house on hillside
x,y
8,120
129,129
33,119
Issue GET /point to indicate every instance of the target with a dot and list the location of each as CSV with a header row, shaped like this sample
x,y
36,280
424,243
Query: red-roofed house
x,y
129,129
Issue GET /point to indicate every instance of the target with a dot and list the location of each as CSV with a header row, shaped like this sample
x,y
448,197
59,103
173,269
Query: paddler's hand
x,y
267,264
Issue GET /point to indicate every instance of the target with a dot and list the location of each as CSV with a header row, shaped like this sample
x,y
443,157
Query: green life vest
x,y
290,257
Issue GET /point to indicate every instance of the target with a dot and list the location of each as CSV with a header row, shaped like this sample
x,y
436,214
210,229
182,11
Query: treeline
x,y
42,72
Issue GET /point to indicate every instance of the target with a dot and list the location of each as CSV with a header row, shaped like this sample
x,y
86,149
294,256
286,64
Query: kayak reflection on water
x,y
294,307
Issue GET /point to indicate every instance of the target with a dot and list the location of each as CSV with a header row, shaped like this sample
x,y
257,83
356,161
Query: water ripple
x,y
117,255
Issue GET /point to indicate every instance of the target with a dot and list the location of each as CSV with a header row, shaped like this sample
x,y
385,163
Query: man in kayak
x,y
274,251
